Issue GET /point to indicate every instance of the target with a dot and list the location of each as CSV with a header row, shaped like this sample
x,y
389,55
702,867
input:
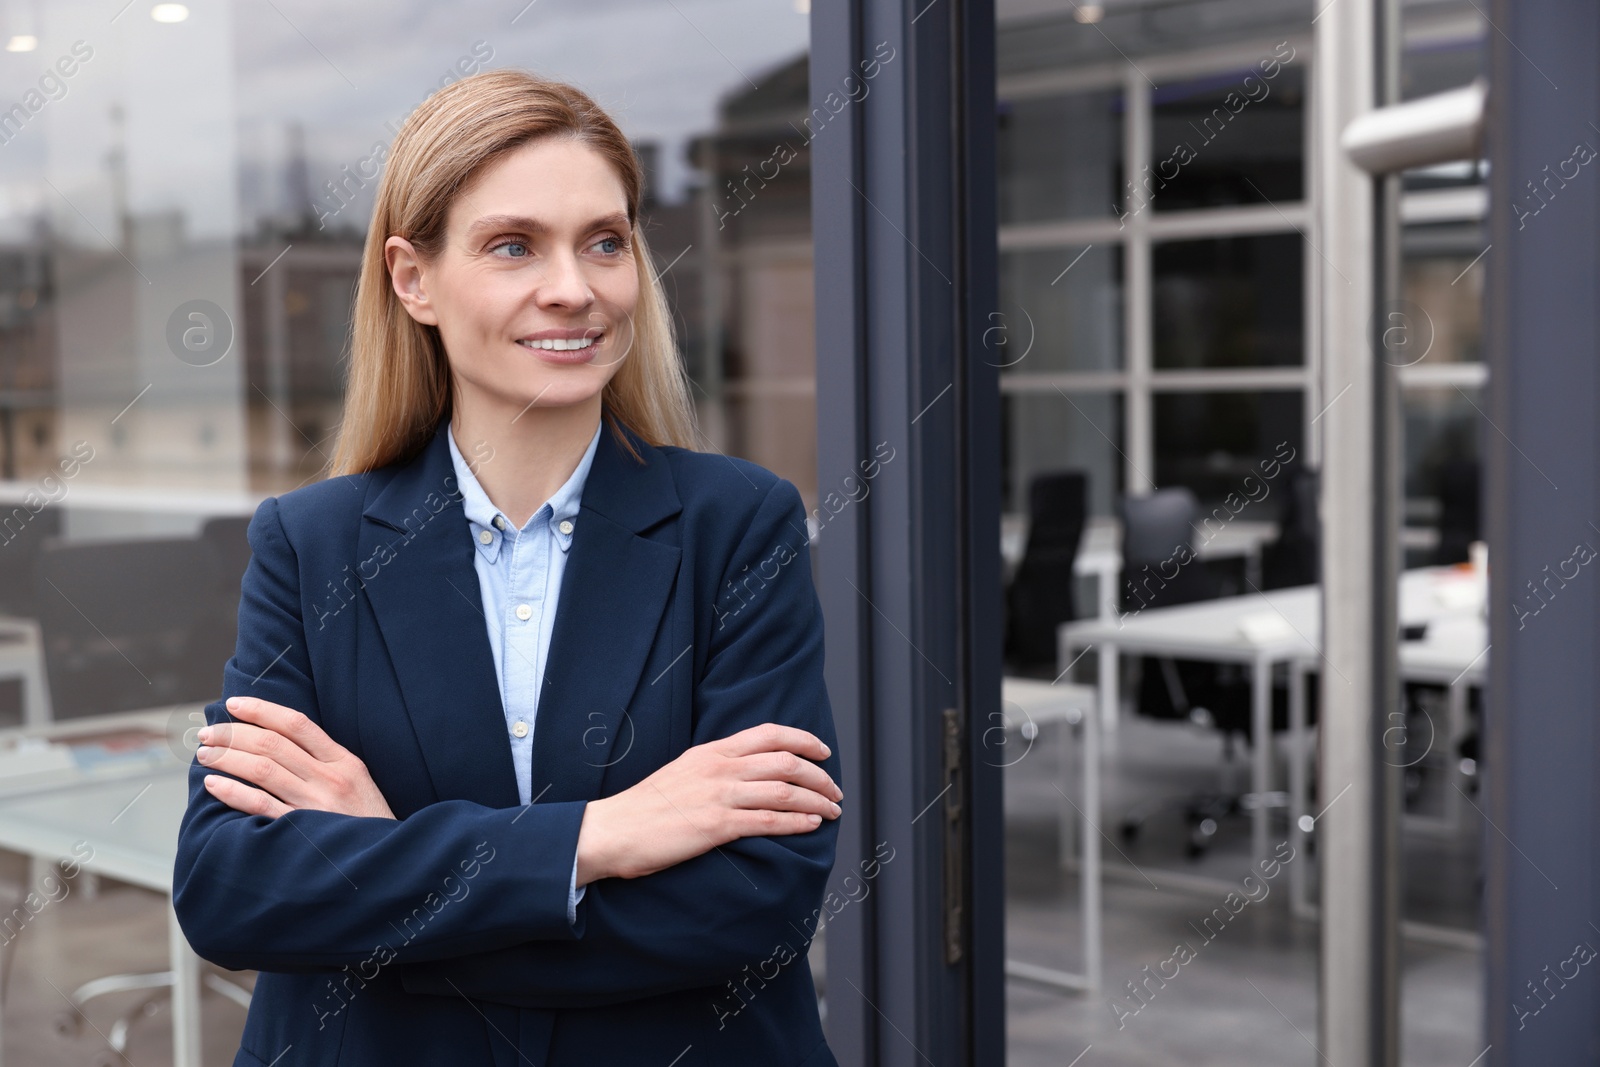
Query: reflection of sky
x,y
344,72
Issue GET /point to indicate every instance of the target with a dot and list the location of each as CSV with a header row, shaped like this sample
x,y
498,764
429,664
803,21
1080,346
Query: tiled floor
x,y
1248,995
74,939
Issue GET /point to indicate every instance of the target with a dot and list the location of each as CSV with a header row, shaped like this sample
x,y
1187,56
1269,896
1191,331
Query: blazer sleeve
x,y
700,922
316,890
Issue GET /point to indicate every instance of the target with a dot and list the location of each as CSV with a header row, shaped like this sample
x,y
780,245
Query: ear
x,y
406,276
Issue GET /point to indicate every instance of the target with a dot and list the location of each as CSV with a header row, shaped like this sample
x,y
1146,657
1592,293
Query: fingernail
x,y
233,702
203,753
836,809
816,820
826,751
204,735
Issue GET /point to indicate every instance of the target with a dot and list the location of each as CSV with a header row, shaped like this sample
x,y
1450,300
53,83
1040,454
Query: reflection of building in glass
x,y
1158,250
756,359
1158,268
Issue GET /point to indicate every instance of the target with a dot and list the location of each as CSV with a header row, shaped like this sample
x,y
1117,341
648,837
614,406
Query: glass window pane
x,y
769,366
1211,442
1231,138
1229,302
1434,66
1442,276
225,166
1045,36
1049,431
1443,471
1062,310
1060,156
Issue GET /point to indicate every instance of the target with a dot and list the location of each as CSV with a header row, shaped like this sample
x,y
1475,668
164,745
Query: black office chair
x,y
128,625
227,552
1459,522
1040,595
22,532
224,536
1160,569
1295,557
125,624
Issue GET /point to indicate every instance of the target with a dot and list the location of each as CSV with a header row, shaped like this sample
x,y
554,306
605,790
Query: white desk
x,y
1028,703
1100,552
1285,626
1100,557
1260,630
1454,653
128,815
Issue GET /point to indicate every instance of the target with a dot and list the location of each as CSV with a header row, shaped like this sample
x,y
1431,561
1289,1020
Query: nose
x,y
560,282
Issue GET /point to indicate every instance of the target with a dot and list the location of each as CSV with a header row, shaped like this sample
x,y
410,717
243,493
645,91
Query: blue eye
x,y
621,246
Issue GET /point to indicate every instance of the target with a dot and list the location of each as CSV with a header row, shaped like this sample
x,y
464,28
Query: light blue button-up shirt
x,y
519,575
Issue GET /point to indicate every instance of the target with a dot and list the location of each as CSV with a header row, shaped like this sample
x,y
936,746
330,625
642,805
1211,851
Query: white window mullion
x,y
1311,273
1136,282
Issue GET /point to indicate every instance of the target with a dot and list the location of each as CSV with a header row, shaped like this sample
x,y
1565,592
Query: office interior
x,y
181,225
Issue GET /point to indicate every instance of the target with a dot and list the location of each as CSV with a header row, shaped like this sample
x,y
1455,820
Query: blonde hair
x,y
397,388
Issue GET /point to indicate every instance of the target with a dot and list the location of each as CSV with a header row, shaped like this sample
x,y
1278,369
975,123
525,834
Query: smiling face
x,y
535,288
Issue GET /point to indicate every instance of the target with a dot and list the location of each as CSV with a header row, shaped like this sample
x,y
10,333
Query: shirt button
x,y
524,613
486,537
520,728
500,521
566,526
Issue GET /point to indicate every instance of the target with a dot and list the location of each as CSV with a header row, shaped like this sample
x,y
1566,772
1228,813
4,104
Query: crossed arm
x,y
290,859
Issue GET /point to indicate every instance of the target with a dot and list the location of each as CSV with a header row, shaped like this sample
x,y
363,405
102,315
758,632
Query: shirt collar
x,y
483,517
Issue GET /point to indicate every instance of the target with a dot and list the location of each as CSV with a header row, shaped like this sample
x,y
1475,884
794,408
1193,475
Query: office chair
x,y
1459,524
1295,557
227,552
1157,535
122,622
1040,596
224,536
127,625
21,534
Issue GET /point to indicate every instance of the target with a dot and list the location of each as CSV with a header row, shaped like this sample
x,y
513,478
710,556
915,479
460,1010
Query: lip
x,y
564,334
565,357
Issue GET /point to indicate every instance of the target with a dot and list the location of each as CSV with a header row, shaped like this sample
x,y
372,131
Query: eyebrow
x,y
616,220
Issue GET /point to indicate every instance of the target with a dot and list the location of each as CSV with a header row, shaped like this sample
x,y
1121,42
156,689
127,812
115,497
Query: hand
x,y
752,784
296,764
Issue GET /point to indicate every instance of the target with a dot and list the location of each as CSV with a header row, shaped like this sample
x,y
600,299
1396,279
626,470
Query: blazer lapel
x,y
613,594
429,609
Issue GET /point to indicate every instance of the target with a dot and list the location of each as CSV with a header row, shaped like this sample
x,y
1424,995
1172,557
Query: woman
x,y
448,823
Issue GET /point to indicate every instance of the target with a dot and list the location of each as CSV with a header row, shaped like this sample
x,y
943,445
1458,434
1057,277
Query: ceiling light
x,y
169,12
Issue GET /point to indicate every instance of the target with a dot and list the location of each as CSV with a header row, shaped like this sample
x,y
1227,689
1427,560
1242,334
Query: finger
x,y
256,740
784,797
761,823
295,725
257,770
244,798
773,737
787,767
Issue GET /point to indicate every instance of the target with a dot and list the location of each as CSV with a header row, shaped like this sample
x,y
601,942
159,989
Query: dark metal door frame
x,y
902,134
1542,733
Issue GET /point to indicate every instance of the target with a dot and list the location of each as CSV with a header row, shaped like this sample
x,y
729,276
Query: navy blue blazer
x,y
687,613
